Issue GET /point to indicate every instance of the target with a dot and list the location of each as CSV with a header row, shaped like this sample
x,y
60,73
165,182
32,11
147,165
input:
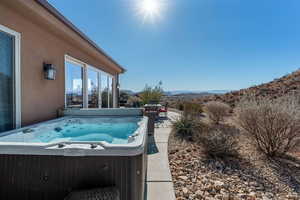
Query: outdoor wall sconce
x,y
49,71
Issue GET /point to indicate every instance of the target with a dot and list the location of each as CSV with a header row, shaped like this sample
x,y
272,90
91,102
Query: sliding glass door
x,y
87,86
6,82
104,91
9,79
93,88
74,85
110,97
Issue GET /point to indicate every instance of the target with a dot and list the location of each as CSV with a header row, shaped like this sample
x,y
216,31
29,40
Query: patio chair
x,y
164,110
108,193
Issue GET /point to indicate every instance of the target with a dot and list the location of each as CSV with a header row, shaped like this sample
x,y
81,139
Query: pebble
x,y
195,179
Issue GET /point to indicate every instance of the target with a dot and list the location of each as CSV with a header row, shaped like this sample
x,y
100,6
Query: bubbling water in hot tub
x,y
111,130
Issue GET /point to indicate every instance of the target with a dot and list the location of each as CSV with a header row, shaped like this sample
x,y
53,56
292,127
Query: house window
x,y
74,85
87,86
106,91
93,88
110,99
10,111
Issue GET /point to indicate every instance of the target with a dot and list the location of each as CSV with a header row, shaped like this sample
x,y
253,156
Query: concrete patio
x,y
159,185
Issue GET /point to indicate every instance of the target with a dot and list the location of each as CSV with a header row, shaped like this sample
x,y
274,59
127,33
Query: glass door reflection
x,y
7,109
104,91
93,89
74,85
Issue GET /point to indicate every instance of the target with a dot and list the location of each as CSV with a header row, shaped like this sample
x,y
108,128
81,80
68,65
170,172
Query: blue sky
x,y
194,44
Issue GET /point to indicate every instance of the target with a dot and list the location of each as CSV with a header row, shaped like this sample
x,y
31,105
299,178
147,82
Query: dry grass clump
x,y
274,125
217,111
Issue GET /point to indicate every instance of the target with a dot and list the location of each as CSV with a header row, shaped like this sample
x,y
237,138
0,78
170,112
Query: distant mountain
x,y
278,87
288,84
190,92
184,92
173,97
130,92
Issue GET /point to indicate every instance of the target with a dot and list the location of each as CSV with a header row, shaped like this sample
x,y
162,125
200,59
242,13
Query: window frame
x,y
85,68
94,69
16,74
79,64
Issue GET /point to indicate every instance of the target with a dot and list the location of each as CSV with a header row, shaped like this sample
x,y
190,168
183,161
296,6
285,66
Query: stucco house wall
x,y
44,38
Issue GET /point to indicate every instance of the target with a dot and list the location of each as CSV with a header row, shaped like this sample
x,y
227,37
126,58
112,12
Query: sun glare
x,y
149,6
150,9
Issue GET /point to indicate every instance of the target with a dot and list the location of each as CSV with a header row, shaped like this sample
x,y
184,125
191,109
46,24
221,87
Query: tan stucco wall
x,y
41,43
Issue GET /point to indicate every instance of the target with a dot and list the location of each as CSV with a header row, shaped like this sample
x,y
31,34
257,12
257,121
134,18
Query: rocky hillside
x,y
274,89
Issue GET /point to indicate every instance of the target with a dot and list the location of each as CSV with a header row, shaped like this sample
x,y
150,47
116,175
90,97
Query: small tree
x,y
152,94
274,125
216,111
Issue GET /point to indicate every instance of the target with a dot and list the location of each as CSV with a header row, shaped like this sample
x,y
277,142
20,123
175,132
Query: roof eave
x,y
67,22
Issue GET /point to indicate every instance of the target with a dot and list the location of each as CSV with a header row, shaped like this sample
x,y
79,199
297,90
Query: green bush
x,y
185,128
189,124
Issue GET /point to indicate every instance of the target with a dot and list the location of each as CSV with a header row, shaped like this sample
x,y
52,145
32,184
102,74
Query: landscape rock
x,y
196,179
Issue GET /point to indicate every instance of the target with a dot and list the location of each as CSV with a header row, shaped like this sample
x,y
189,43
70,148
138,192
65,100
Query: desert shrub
x,y
192,110
216,111
123,98
189,123
180,106
134,101
187,128
219,141
273,124
184,127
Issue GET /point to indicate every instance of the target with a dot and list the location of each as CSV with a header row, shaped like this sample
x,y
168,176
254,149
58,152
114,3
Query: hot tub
x,y
84,149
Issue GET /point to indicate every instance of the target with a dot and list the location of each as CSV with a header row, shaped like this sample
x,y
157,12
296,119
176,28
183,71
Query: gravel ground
x,y
254,177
